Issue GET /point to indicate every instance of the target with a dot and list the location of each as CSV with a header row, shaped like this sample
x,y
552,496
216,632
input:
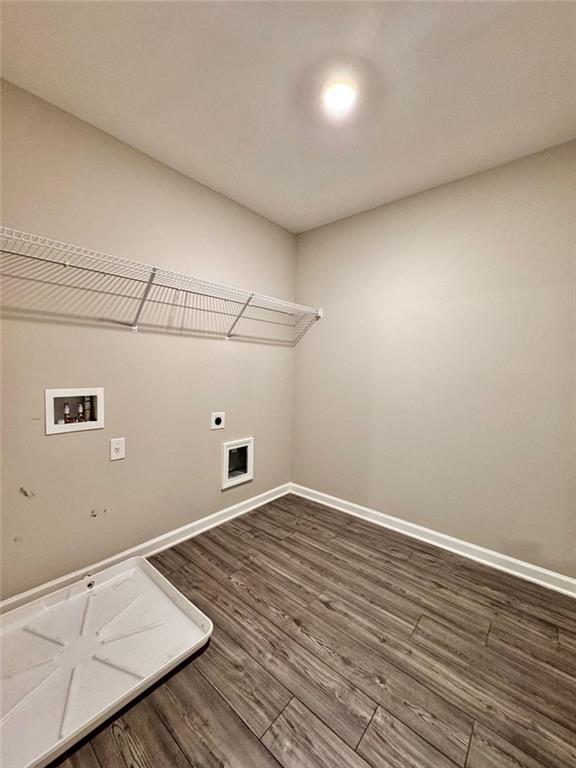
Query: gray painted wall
x,y
67,180
441,386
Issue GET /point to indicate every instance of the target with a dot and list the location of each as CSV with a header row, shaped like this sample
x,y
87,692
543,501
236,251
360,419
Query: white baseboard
x,y
550,579
149,548
523,570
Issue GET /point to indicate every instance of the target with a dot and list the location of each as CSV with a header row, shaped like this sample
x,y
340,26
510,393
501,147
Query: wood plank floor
x,y
340,643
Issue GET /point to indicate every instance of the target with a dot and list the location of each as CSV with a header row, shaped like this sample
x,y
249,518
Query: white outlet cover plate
x,y
214,420
117,448
74,657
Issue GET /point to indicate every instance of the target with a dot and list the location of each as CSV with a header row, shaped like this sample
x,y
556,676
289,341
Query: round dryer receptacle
x,y
217,420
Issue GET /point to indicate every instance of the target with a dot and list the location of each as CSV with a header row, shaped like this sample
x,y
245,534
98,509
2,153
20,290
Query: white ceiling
x,y
227,92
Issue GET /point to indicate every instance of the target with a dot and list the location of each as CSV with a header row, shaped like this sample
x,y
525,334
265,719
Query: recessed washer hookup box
x,y
74,657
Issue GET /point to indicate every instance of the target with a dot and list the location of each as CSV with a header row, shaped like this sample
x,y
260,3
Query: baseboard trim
x,y
148,548
534,573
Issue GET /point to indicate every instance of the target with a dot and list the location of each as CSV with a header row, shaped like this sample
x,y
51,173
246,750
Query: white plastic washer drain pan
x,y
73,658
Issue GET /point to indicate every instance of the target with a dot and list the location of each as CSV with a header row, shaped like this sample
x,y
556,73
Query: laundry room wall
x,y
65,505
440,387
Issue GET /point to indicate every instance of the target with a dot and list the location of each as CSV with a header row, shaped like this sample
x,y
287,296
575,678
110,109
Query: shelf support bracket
x,y
239,315
143,300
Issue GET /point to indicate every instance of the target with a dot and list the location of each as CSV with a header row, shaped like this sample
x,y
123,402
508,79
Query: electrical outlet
x,y
217,420
117,448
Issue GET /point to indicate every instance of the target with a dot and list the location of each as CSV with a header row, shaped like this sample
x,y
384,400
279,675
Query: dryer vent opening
x,y
237,462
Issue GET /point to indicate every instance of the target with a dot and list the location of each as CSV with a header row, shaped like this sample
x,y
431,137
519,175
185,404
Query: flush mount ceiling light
x,y
339,98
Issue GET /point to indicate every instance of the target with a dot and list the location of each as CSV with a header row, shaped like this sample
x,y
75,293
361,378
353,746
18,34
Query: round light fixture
x,y
339,98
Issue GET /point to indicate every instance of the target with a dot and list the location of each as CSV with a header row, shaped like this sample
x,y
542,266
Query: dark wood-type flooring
x,y
340,644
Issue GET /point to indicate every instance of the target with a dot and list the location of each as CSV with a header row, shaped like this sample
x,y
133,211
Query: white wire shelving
x,y
47,279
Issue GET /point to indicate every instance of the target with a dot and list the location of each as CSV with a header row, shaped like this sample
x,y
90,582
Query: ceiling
x,y
227,93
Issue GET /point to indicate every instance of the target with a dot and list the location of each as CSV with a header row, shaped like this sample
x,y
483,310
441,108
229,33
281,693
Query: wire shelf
x,y
44,278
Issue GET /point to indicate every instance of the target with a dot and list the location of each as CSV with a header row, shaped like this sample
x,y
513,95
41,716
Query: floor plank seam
x,y
292,698
411,635
464,764
228,703
365,729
